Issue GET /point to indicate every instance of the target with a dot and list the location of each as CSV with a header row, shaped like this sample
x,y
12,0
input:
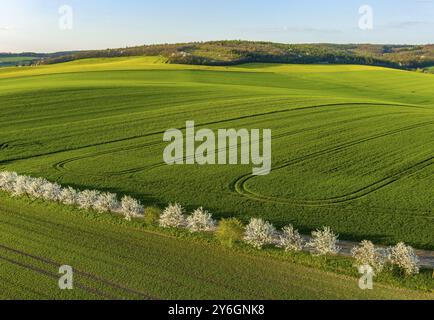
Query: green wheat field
x,y
352,149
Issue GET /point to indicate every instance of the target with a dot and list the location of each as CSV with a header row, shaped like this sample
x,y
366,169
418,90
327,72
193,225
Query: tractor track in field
x,y
4,145
278,136
239,186
87,275
60,166
54,239
8,161
125,242
56,277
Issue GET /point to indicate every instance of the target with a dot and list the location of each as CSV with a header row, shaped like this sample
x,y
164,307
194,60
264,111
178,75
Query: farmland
x,y
13,61
117,260
352,145
352,149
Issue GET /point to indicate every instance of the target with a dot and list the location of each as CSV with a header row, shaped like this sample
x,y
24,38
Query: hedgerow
x,y
39,188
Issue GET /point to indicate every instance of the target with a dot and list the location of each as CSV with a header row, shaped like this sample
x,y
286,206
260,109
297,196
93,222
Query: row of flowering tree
x,y
258,233
40,188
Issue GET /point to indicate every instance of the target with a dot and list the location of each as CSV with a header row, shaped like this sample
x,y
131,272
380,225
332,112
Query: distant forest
x,y
28,58
222,53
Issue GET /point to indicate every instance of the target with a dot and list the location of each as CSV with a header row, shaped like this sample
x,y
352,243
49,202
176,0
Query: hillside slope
x,y
352,145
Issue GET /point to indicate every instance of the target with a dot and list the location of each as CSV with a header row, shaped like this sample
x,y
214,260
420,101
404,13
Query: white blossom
x,y
290,239
367,254
51,191
259,233
173,216
88,198
324,242
405,258
7,180
107,202
36,188
21,185
41,188
200,220
131,208
69,196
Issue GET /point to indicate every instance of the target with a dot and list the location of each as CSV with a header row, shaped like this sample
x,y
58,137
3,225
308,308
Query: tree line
x,y
225,53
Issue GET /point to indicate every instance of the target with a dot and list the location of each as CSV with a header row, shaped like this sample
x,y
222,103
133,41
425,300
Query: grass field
x,y
12,61
112,260
352,145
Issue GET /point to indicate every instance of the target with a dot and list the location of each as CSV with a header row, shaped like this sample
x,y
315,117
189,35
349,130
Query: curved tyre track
x,y
59,166
240,187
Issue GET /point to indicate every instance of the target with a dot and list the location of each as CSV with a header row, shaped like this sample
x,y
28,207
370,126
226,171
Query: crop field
x,y
12,61
352,145
118,261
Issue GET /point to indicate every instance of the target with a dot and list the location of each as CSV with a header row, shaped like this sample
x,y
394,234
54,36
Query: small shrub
x,y
324,242
404,257
259,233
131,208
173,216
290,239
200,220
230,231
367,254
152,215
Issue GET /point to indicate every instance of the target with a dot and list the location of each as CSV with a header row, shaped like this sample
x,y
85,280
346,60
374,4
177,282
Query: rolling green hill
x,y
352,145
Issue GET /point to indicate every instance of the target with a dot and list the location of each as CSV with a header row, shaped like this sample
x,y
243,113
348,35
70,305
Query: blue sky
x,y
33,25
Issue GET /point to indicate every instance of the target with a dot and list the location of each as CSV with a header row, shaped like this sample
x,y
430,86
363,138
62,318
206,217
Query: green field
x,y
12,61
112,260
352,145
